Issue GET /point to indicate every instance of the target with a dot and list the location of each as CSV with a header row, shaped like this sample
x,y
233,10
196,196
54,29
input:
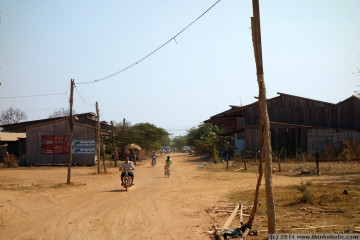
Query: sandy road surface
x,y
36,204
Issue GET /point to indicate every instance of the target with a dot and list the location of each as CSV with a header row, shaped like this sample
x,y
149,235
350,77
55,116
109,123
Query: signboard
x,y
54,145
83,147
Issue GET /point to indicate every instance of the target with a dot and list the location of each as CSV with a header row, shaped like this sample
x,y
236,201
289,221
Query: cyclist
x,y
168,162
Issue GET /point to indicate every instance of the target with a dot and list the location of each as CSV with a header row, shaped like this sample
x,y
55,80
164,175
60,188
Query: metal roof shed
x,y
47,144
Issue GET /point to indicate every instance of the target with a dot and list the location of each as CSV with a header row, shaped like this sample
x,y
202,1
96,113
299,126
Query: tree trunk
x,y
267,153
256,197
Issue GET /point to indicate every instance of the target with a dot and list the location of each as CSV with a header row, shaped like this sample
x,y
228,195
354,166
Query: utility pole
x,y
97,138
71,127
123,139
103,151
113,143
265,142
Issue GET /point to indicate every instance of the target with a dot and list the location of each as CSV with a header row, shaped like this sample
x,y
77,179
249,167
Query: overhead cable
x,y
151,53
40,95
46,109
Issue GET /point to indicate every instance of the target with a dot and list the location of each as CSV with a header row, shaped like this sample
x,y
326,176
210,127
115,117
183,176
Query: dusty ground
x,y
36,204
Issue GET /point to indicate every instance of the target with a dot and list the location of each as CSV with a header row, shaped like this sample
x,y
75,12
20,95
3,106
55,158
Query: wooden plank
x,y
232,216
241,214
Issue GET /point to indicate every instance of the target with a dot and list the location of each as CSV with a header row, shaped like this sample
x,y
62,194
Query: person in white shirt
x,y
127,166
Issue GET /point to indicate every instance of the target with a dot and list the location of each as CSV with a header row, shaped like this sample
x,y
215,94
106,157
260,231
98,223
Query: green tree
x,y
146,135
178,142
208,138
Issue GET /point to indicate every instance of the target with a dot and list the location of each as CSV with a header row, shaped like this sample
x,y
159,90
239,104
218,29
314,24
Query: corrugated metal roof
x,y
11,137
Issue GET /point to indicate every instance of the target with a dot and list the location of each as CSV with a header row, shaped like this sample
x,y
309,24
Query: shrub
x,y
307,196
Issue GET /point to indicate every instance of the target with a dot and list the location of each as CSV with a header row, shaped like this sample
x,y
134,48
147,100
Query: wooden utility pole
x,y
103,151
123,139
97,138
265,145
113,143
71,127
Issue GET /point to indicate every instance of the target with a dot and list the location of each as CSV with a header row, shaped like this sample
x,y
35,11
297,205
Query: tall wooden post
x,y
123,139
71,127
103,151
97,138
113,143
265,148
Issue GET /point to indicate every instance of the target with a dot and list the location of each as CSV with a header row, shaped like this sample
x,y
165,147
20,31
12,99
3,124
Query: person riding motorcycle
x,y
127,166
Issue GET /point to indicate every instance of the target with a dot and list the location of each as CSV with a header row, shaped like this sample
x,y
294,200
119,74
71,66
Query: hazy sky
x,y
310,49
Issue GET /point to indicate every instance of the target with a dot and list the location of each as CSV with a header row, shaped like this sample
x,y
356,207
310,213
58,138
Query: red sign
x,y
54,145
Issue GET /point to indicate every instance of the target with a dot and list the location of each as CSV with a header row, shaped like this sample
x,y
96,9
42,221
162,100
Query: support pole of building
x,y
265,148
71,127
97,138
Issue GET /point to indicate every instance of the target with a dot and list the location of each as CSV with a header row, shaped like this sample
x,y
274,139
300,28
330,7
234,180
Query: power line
x,y
40,95
81,97
151,53
46,109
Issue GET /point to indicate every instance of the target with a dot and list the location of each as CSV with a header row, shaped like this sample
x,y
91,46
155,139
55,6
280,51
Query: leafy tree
x,y
12,115
146,135
61,113
207,138
178,142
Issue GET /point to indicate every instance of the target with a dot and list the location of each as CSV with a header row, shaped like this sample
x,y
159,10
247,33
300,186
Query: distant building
x,y
296,124
14,143
47,139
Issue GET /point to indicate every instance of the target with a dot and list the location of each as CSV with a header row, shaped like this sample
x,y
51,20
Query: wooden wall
x,y
60,128
348,114
318,139
295,110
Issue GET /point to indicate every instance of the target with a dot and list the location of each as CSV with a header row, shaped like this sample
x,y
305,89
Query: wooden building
x,y
47,140
296,124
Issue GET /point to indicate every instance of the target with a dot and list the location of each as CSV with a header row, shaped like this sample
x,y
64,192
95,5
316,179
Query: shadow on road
x,y
121,190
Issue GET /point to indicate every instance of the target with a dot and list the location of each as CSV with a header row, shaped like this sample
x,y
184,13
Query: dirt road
x,y
36,204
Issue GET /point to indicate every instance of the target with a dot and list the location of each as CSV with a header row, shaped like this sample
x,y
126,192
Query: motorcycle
x,y
127,181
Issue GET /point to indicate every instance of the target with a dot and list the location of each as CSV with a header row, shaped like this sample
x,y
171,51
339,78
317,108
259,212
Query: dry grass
x,y
329,205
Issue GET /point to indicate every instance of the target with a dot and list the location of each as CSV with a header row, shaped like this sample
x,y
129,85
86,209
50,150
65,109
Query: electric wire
x,y
39,95
54,108
151,53
81,97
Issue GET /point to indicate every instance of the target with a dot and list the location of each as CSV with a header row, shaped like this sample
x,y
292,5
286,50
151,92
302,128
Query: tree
x,y
12,115
207,138
146,135
264,122
178,142
61,113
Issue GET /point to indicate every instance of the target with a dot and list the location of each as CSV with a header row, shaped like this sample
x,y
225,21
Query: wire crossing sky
x,y
310,49
148,55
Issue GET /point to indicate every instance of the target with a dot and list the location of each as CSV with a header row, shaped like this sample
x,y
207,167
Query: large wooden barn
x,y
297,124
47,139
